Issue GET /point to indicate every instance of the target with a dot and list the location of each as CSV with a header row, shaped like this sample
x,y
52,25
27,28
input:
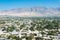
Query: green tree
x,y
30,37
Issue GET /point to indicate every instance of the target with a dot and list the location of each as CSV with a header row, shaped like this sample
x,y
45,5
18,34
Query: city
x,y
35,28
29,19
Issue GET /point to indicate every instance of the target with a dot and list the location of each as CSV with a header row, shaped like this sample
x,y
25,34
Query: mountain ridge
x,y
32,12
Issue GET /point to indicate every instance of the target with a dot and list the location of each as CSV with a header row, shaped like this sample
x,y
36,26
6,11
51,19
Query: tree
x,y
39,38
39,28
10,29
22,26
30,37
43,33
51,32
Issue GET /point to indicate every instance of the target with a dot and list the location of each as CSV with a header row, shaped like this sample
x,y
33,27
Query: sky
x,y
11,4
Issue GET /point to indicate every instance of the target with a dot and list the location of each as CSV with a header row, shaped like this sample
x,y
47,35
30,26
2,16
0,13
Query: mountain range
x,y
32,12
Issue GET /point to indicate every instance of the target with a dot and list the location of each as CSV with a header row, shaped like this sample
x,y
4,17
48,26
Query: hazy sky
x,y
11,4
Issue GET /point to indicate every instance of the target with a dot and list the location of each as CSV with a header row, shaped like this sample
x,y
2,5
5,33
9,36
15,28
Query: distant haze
x,y
32,12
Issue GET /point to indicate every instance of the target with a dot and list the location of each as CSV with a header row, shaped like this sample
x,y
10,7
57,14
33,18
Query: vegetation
x,y
39,24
